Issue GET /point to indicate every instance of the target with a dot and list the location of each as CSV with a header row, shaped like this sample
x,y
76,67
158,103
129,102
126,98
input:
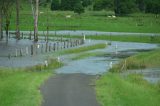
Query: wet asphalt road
x,y
69,90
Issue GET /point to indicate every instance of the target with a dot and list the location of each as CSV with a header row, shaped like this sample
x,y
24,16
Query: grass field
x,y
90,20
21,87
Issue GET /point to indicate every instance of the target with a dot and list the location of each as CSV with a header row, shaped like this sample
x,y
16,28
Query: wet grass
x,y
123,38
21,87
140,61
114,90
84,49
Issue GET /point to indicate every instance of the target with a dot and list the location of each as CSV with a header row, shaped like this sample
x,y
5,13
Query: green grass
x,y
113,90
84,49
143,60
123,38
21,87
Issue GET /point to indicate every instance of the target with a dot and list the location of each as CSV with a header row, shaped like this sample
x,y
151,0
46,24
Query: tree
x,y
79,8
86,3
55,5
17,19
103,4
6,6
141,5
35,10
123,7
1,23
153,6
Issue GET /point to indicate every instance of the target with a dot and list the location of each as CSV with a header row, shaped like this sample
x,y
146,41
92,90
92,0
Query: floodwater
x,y
91,65
101,64
86,32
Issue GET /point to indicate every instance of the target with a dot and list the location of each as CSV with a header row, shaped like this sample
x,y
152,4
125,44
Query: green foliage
x,y
68,5
55,5
153,6
78,8
86,3
123,7
103,4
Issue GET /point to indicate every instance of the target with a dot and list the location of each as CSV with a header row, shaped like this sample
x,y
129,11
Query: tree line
x,y
77,6
120,7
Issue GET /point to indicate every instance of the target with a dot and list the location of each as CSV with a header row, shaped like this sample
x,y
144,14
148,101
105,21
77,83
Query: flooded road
x,y
101,64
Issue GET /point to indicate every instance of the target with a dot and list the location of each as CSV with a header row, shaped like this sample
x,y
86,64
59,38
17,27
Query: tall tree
x,y
1,23
17,19
35,11
6,6
36,21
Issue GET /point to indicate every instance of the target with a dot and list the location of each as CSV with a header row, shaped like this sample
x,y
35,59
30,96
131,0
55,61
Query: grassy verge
x,y
84,49
21,87
113,90
124,38
142,60
132,90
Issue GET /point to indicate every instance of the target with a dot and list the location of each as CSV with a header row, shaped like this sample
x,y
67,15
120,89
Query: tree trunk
x,y
7,29
36,21
17,20
1,24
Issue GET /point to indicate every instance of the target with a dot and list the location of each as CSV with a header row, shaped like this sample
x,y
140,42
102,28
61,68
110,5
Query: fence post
x,y
42,48
21,54
46,47
32,50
